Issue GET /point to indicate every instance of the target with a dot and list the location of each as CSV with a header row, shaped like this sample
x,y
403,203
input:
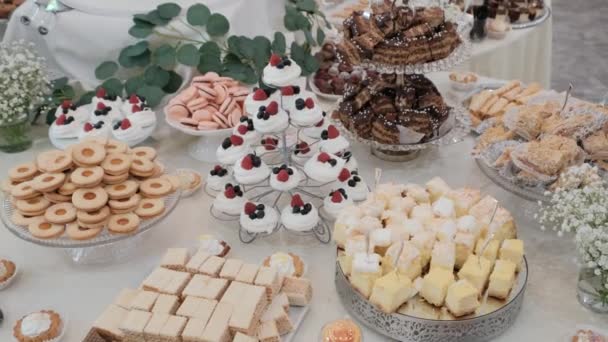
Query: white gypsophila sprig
x,y
24,83
592,247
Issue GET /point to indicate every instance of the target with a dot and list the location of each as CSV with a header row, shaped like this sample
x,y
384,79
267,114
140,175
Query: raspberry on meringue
x,y
284,178
324,167
332,141
281,71
230,201
299,216
258,218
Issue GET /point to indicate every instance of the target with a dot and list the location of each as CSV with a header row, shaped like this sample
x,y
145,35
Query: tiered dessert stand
x,y
456,127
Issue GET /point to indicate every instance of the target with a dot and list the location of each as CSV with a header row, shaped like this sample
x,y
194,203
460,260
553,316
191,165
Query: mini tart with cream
x,y
302,152
106,113
100,129
299,216
288,264
141,116
7,270
69,109
43,325
351,161
290,93
315,131
134,100
250,169
230,201
270,119
332,141
112,101
324,167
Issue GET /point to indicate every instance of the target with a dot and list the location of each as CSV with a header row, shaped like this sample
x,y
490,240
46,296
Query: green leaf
x,y
113,86
306,5
246,47
298,53
233,46
134,83
278,44
210,48
320,36
141,30
137,49
124,60
302,22
142,19
198,15
50,116
262,52
311,64
169,10
155,18
290,22
217,25
210,62
143,59
238,71
156,76
106,70
85,98
189,55
152,94
175,82
309,39
165,56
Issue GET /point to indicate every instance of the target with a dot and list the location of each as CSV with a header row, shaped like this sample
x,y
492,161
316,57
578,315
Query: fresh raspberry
x,y
133,99
336,197
323,157
275,59
296,201
310,104
135,109
287,91
242,129
270,144
344,175
66,104
229,192
247,163
61,119
88,127
332,132
101,93
259,95
101,106
303,147
283,176
320,123
250,208
125,124
272,108
236,140
217,168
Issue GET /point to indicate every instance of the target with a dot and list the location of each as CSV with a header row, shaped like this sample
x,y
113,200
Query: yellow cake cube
x,y
462,298
390,291
502,279
435,285
491,249
476,270
465,243
409,263
418,307
444,255
424,241
512,250
365,270
346,263
464,199
422,212
437,187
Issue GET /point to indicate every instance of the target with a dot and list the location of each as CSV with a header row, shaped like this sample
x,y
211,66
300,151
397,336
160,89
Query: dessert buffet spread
x,y
517,12
97,190
130,121
428,252
533,138
206,296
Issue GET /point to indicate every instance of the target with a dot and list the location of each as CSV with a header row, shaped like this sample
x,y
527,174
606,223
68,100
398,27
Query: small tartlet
x,y
8,271
40,326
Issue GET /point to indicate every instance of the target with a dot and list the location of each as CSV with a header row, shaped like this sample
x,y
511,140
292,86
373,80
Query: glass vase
x,y
591,290
15,136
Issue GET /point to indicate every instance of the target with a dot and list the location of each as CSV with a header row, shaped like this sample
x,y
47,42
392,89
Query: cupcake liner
x,y
6,283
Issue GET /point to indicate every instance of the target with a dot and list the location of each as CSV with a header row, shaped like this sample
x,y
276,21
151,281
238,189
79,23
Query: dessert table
x,y
48,279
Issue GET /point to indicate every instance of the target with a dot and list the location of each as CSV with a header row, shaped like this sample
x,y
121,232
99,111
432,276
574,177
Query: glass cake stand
x,y
537,21
105,247
203,148
499,177
493,319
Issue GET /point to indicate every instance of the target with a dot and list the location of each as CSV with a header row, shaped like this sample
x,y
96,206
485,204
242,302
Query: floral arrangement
x,y
24,83
580,205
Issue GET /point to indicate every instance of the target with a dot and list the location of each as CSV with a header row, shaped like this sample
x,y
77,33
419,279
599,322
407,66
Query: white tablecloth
x,y
49,280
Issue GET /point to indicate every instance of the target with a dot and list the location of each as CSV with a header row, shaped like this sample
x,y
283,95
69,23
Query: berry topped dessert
x,y
302,152
324,167
353,184
126,130
268,143
230,201
95,129
250,169
299,216
270,119
139,113
259,97
65,127
106,113
258,218
351,162
69,109
335,202
290,93
284,178
305,112
281,71
113,101
332,141
315,131
134,100
246,130
231,149
218,178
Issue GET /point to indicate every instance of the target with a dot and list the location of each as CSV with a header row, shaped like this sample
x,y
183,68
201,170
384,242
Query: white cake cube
x,y
502,279
435,285
476,270
444,255
437,187
462,298
512,250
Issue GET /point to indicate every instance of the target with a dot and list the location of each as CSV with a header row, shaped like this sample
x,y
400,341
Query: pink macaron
x,y
202,115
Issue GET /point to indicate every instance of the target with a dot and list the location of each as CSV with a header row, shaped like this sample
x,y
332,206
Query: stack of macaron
x,y
211,102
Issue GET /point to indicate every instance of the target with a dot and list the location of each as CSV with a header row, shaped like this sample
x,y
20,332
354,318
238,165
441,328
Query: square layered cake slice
x,y
502,279
212,266
462,298
435,285
175,259
298,290
231,269
166,304
269,278
247,273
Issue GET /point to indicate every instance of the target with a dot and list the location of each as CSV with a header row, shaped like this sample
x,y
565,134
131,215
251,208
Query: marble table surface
x,y
48,278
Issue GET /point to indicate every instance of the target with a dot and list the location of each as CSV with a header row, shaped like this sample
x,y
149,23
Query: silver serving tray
x,y
537,21
483,327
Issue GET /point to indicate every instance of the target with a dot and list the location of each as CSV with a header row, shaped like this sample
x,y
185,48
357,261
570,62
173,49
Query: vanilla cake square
x,y
390,291
193,332
240,337
268,332
512,250
246,318
166,304
435,285
462,298
444,255
189,306
125,297
205,309
173,328
144,300
298,290
502,279
491,249
196,286
212,266
231,269
197,261
109,322
366,269
464,199
155,325
465,243
175,259
476,270
247,273
437,187
215,288
134,324
269,278
178,282
234,293
217,329
158,279
276,312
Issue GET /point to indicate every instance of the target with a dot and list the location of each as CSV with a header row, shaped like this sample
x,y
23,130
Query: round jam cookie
x,y
7,186
123,190
48,182
116,163
175,181
144,152
22,220
125,203
115,146
54,197
68,188
53,161
150,207
98,225
142,167
123,223
23,172
60,213
43,229
90,199
87,177
115,179
78,232
155,187
159,169
88,153
32,206
93,217
24,190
